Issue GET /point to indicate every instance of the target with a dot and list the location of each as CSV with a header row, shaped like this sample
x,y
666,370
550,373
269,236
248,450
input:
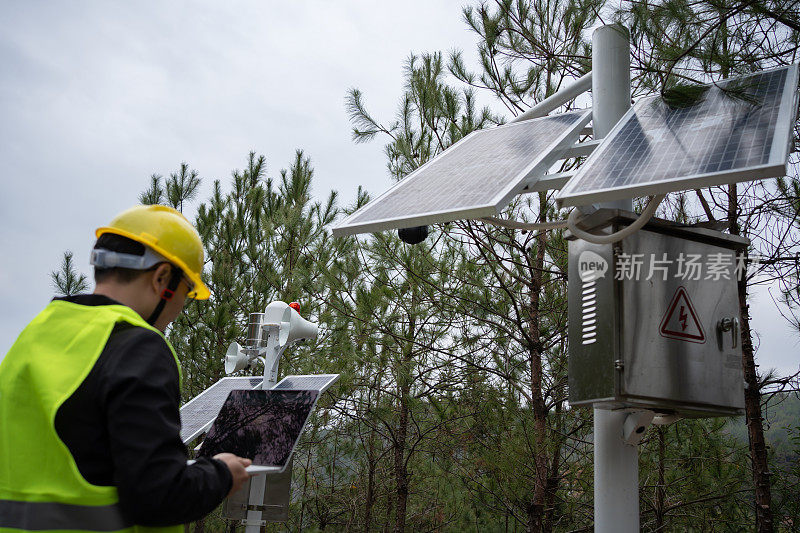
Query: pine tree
x,y
68,281
508,294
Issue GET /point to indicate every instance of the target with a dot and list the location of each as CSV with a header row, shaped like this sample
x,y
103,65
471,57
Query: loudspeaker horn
x,y
235,358
299,329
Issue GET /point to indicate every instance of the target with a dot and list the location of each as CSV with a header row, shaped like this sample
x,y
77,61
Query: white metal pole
x,y
258,484
616,464
611,84
616,475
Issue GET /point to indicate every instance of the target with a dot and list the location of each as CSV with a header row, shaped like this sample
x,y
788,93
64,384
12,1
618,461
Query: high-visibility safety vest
x,y
41,488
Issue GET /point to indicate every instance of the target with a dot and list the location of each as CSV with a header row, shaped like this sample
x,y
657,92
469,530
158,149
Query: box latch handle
x,y
728,324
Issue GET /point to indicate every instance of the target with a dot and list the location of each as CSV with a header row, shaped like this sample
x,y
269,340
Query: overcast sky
x,y
97,96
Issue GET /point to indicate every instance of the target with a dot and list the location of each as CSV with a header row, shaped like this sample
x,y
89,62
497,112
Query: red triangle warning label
x,y
681,320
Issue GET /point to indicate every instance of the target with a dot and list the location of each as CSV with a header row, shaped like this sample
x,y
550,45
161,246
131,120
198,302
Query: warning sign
x,y
681,320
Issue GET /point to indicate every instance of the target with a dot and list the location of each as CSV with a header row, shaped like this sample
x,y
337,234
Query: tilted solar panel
x,y
317,382
738,131
475,177
201,410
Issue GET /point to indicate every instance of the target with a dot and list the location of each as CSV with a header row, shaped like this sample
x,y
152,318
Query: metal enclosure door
x,y
593,326
673,350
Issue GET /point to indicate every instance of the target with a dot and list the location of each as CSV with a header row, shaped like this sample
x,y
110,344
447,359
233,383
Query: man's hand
x,y
237,467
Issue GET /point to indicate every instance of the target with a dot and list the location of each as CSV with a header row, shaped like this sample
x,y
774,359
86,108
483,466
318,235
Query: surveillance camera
x,y
413,235
664,419
635,426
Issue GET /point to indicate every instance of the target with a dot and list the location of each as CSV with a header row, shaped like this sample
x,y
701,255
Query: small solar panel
x,y
739,130
201,410
475,177
317,382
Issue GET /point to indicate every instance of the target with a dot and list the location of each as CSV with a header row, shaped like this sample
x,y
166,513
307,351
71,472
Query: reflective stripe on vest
x,y
43,516
41,487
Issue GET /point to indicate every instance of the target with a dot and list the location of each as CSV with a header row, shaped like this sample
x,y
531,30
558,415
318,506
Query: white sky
x,y
97,96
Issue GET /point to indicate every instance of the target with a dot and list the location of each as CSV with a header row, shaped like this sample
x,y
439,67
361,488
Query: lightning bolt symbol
x,y
683,317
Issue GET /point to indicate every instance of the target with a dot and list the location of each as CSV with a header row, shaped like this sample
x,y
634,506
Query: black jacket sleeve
x,y
141,396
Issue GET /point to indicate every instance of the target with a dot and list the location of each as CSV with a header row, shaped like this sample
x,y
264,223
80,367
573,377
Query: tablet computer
x,y
262,425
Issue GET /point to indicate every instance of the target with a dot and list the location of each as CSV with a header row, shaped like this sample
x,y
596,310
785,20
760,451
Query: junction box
x,y
654,318
275,505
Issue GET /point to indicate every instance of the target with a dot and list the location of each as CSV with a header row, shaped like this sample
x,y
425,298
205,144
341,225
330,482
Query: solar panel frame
x,y
539,164
776,165
210,401
320,382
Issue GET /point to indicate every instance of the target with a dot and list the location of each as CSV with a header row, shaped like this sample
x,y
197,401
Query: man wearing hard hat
x,y
90,391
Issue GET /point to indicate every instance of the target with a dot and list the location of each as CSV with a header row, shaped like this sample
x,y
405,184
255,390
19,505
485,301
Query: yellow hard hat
x,y
167,232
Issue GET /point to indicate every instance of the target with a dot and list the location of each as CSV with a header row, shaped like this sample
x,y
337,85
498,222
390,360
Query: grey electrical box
x,y
654,318
277,497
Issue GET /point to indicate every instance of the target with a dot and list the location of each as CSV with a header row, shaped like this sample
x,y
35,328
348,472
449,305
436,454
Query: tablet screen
x,y
262,425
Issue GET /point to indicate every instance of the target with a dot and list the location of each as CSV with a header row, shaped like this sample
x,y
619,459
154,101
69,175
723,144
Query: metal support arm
x,y
557,99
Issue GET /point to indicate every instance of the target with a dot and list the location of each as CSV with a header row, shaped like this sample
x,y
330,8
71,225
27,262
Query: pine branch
x,y
780,17
153,194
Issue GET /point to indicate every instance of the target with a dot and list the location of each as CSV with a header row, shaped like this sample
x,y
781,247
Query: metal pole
x,y
611,84
616,475
258,484
564,95
616,464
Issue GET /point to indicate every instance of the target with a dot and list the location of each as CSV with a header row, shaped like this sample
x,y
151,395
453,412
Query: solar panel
x,y
201,410
475,177
318,382
738,131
